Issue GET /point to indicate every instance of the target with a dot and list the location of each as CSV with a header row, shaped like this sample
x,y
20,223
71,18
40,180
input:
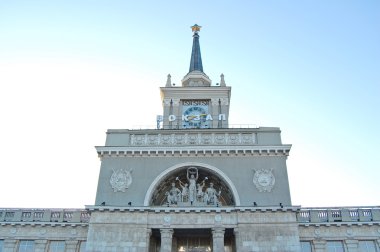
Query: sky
x,y
70,70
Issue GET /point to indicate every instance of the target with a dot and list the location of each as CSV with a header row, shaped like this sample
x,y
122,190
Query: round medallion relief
x,y
167,218
264,180
218,217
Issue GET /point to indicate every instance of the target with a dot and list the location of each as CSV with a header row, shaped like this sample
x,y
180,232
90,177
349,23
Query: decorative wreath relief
x,y
121,179
264,180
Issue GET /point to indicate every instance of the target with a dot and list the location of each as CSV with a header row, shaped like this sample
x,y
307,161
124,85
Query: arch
x,y
217,171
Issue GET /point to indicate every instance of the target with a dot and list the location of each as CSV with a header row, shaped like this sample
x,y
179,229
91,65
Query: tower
x,y
196,104
193,183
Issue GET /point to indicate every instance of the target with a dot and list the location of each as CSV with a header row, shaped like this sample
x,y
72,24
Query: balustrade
x,y
44,215
304,215
318,215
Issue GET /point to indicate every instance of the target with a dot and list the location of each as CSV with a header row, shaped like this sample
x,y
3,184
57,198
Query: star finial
x,y
196,28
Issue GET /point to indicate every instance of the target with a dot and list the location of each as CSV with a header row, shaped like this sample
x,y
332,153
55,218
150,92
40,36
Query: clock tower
x,y
193,184
197,104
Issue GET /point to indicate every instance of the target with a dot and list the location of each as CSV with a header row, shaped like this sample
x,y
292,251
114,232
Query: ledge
x,y
193,209
115,151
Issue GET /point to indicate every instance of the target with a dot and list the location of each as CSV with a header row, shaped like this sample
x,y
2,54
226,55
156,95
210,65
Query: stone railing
x,y
45,215
345,214
304,215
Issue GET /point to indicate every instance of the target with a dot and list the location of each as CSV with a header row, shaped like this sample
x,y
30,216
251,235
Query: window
x,y
335,246
305,246
1,245
367,246
57,246
82,246
26,246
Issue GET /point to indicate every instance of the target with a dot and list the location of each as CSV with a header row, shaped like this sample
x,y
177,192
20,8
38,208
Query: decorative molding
x,y
223,101
44,216
193,139
167,101
196,150
121,179
349,232
264,180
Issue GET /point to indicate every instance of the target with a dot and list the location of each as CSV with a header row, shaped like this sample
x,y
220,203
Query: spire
x,y
169,81
222,81
196,77
196,59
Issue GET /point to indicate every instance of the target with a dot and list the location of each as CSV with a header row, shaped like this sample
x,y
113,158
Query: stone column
x,y
10,245
319,246
175,244
166,239
238,242
352,245
40,245
218,239
71,246
148,235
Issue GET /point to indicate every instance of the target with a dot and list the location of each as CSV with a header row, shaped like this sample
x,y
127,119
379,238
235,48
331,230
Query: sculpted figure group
x,y
192,193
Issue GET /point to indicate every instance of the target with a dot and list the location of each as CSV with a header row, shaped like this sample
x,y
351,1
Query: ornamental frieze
x,y
166,139
221,101
192,139
219,139
168,102
206,139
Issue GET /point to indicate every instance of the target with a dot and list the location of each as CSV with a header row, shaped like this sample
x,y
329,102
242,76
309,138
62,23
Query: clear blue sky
x,y
69,70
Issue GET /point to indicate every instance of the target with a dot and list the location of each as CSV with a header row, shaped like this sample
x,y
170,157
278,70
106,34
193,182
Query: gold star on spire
x,y
196,28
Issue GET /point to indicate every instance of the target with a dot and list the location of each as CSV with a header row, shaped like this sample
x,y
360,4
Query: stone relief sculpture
x,y
211,196
202,139
121,179
192,193
264,180
200,192
192,177
173,195
185,191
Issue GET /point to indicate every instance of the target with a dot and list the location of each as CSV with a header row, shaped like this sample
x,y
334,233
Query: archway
x,y
210,175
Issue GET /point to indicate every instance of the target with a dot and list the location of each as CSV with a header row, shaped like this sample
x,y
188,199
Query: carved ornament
x,y
121,179
264,180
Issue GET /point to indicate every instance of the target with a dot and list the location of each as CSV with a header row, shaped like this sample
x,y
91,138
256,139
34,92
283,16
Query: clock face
x,y
195,114
195,117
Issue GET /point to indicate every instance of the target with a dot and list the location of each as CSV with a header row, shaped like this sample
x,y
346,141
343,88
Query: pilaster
x,y
218,239
238,242
148,235
71,246
174,244
319,246
166,239
10,245
352,245
40,245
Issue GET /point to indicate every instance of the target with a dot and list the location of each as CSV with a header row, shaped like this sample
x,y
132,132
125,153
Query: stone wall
x,y
42,235
271,229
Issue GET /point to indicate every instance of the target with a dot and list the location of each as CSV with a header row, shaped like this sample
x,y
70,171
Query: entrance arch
x,y
169,175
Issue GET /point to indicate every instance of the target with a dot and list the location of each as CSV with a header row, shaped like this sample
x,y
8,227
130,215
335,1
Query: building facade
x,y
192,184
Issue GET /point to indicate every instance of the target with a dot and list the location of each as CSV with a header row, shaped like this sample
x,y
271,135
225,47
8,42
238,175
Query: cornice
x,y
115,151
206,92
241,209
